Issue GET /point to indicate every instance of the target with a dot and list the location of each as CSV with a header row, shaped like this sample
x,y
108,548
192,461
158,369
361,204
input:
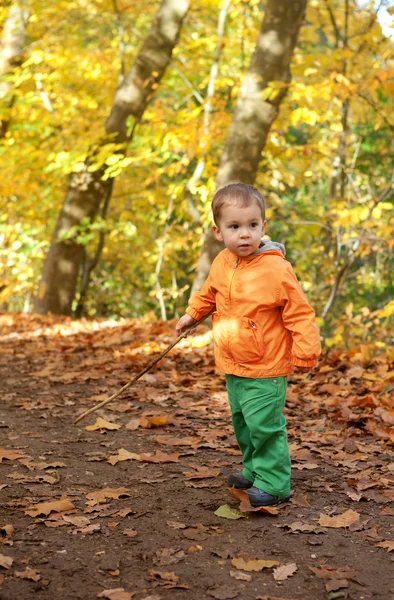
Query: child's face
x,y
240,228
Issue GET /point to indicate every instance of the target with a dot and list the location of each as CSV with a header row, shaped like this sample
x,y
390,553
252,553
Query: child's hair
x,y
242,194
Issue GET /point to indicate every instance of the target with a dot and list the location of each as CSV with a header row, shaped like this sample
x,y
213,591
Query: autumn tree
x,y
90,189
262,91
13,41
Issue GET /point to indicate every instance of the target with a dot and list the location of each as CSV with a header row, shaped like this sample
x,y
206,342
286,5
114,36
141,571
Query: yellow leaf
x,y
253,565
102,424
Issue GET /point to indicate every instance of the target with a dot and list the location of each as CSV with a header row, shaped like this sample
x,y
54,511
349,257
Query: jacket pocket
x,y
239,340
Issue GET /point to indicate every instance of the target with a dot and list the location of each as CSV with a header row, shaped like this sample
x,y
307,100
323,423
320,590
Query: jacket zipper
x,y
229,297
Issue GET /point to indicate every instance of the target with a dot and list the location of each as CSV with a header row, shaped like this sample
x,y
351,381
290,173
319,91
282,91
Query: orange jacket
x,y
263,324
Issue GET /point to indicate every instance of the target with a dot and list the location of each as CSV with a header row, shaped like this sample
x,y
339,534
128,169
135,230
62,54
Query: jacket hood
x,y
267,246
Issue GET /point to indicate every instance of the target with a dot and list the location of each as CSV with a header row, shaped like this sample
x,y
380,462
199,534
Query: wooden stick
x,y
147,368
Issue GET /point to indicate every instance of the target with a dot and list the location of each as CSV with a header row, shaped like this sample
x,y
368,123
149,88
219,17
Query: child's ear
x,y
217,233
264,227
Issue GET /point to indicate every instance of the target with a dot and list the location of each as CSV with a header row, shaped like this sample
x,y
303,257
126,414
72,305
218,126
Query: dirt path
x,y
79,520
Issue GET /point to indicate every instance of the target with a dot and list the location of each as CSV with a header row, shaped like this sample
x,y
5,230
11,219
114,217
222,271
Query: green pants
x,y
260,429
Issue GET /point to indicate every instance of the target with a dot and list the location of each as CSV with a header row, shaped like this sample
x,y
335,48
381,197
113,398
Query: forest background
x,y
326,168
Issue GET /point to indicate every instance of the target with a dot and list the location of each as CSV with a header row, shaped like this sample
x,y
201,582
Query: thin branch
x,y
161,244
118,19
311,223
198,171
338,35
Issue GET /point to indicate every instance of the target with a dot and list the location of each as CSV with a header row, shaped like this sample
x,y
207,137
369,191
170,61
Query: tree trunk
x,y
257,107
13,41
87,190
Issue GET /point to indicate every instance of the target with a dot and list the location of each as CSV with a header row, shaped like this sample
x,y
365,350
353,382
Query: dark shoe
x,y
239,481
258,497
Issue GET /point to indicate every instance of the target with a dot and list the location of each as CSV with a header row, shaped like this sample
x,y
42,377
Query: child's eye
x,y
233,226
253,224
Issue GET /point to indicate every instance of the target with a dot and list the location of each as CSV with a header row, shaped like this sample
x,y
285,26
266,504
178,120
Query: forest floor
x,y
126,506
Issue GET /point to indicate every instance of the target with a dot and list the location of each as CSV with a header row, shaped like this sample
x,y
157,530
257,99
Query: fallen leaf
x,y
344,520
80,521
7,531
176,525
32,478
167,579
201,473
387,544
205,483
45,508
154,421
196,533
253,565
40,466
300,499
245,505
241,576
99,497
336,584
130,532
116,594
284,571
228,512
89,529
223,592
102,424
123,454
159,457
28,574
6,561
133,424
10,454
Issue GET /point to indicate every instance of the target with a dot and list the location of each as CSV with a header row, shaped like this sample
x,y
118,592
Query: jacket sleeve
x,y
299,319
201,303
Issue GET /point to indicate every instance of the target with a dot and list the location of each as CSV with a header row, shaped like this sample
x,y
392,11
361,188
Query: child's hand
x,y
183,323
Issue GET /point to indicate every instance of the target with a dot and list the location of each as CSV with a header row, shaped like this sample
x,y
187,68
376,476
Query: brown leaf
x,y
195,533
253,565
7,531
40,466
223,592
168,575
241,576
28,574
284,571
130,532
159,457
176,525
45,508
344,520
116,594
99,497
336,584
32,478
77,521
6,561
300,499
201,473
10,454
387,544
245,505
133,424
102,424
89,529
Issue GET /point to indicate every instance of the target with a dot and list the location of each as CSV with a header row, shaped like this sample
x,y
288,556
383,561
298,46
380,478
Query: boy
x,y
263,327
